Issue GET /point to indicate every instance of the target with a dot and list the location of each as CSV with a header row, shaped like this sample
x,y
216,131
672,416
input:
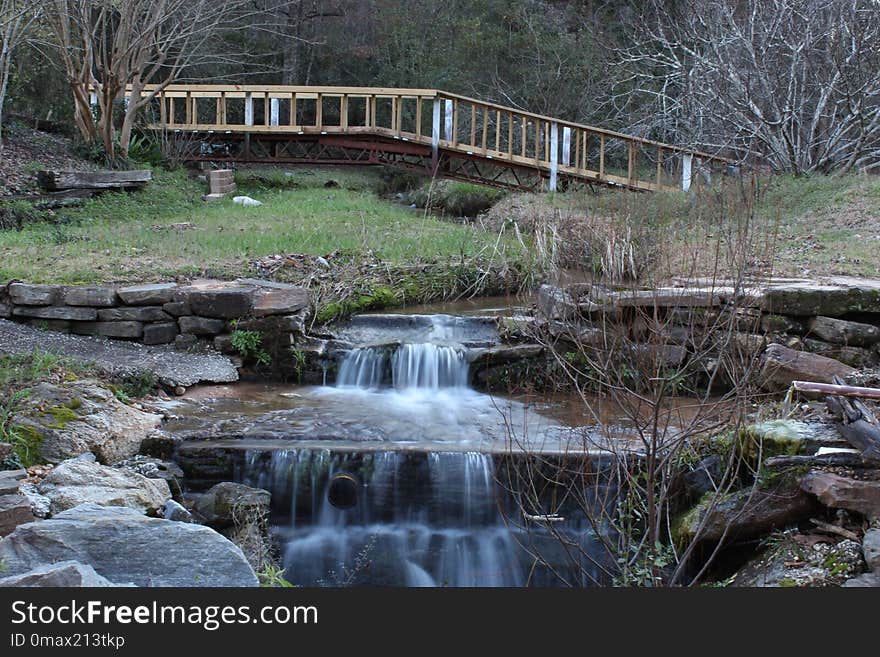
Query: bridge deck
x,y
444,134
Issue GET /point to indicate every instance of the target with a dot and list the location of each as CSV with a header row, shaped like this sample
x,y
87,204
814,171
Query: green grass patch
x,y
166,230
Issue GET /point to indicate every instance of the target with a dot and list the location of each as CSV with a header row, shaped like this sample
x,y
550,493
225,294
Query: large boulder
x,y
82,416
63,574
79,481
840,492
744,514
783,365
123,545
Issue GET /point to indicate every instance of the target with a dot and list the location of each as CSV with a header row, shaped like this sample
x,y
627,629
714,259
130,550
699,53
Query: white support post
x,y
686,165
435,132
273,111
554,154
447,123
93,99
566,147
248,109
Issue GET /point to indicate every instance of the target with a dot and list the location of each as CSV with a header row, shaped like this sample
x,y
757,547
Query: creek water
x,y
425,452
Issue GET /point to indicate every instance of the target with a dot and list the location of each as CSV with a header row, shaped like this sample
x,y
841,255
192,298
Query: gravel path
x,y
172,368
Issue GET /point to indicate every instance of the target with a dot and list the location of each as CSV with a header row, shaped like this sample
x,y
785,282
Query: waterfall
x,y
422,520
429,365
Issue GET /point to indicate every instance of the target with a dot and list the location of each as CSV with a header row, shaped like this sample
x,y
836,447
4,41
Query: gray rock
x,y
5,310
64,574
871,548
82,416
78,481
839,492
229,504
131,330
75,313
783,365
177,308
704,477
123,545
789,564
201,325
10,479
177,512
15,510
840,331
95,295
24,294
39,503
134,313
224,302
147,295
161,333
223,344
279,299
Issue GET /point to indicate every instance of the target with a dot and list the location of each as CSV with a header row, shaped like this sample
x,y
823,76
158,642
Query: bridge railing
x,y
451,122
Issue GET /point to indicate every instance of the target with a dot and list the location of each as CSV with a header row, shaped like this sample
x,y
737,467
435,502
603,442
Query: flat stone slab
x,y
147,295
26,294
172,368
90,295
76,313
830,297
134,314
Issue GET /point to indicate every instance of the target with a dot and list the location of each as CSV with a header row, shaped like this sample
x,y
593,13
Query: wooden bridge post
x,y
449,119
686,163
435,136
554,154
248,109
566,147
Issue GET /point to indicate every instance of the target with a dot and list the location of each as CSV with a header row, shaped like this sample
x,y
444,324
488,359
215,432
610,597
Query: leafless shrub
x,y
682,379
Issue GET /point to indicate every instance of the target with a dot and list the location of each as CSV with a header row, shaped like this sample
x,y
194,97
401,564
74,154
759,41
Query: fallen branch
x,y
834,529
836,389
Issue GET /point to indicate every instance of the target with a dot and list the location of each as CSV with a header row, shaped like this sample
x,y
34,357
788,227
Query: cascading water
x,y
422,520
425,516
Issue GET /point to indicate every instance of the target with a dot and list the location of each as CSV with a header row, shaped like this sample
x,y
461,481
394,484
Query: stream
x,y
394,473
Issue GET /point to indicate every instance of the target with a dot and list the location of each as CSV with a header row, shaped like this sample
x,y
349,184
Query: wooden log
x,y
836,389
63,180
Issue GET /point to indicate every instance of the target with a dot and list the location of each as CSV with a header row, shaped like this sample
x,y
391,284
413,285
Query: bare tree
x,y
795,83
15,17
106,45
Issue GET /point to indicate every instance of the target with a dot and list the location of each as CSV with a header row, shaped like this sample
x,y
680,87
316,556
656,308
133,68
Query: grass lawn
x,y
133,237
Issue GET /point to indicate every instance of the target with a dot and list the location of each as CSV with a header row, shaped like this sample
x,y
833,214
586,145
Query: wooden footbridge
x,y
439,133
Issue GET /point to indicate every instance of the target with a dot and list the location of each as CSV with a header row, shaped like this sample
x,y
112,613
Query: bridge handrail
x,y
544,142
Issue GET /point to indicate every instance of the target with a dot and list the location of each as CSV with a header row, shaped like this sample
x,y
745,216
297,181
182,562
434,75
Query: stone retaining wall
x,y
807,330
159,313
